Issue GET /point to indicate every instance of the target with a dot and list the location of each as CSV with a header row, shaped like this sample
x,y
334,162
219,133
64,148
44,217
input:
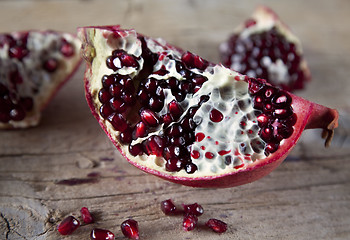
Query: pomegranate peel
x,y
206,125
265,47
34,65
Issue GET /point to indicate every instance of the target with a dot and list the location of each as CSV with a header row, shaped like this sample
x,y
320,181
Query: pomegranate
x,y
101,234
130,229
68,225
189,222
33,65
86,215
264,47
168,207
175,115
216,225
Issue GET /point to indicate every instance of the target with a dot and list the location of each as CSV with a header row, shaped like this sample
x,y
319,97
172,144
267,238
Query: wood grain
x,y
51,171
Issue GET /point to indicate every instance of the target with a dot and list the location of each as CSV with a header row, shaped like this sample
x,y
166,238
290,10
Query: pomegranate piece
x,y
86,215
192,122
130,229
168,207
101,234
264,47
68,225
189,222
34,65
216,225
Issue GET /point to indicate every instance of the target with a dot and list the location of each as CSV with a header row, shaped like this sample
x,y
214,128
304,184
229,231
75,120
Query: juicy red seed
x,y
216,225
191,168
189,222
174,131
68,225
187,58
175,109
136,149
67,49
167,119
118,122
154,145
283,113
117,105
149,117
104,95
193,209
262,120
151,85
107,80
266,133
140,130
173,165
106,110
155,104
116,90
281,99
130,229
200,63
18,52
126,136
271,147
17,114
129,61
199,80
101,234
216,115
168,207
171,151
86,215
209,155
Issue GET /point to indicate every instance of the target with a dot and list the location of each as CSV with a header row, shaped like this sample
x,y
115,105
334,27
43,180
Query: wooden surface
x,y
44,171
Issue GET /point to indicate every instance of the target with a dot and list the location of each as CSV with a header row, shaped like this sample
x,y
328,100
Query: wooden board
x,y
51,171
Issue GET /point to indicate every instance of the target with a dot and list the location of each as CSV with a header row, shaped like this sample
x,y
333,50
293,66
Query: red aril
x,y
130,229
34,65
101,234
216,225
264,47
210,126
68,225
86,215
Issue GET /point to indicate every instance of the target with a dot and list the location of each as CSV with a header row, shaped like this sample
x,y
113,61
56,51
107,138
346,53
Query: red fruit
x,y
86,215
68,225
216,225
232,129
168,207
193,209
101,234
33,68
189,222
264,47
130,229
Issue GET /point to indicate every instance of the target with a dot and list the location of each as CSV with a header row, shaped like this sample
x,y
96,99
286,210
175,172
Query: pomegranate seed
x,y
126,136
175,109
191,168
173,165
216,115
130,229
18,52
216,225
136,149
140,130
168,207
101,234
189,222
86,216
118,122
17,114
149,118
104,95
154,145
68,225
193,209
67,49
51,65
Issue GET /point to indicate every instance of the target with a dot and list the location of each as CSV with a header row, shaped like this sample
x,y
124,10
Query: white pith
x,y
41,46
265,21
229,85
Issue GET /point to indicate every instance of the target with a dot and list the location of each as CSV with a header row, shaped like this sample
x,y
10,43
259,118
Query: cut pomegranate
x,y
34,65
86,215
189,222
192,122
264,47
68,225
130,229
216,225
101,234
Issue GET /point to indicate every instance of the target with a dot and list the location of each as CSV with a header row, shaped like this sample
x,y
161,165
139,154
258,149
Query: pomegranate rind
x,y
265,19
67,66
305,110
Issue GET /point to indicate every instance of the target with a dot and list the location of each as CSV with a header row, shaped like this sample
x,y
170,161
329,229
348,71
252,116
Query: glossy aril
x,y
193,209
101,234
192,122
68,225
264,47
216,225
130,229
168,207
86,215
33,67
189,222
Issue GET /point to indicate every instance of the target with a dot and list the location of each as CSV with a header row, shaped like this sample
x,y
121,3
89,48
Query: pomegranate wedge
x,y
33,66
264,47
175,115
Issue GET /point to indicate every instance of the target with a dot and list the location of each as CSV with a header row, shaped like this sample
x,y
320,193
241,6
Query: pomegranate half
x,y
33,66
264,47
175,115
